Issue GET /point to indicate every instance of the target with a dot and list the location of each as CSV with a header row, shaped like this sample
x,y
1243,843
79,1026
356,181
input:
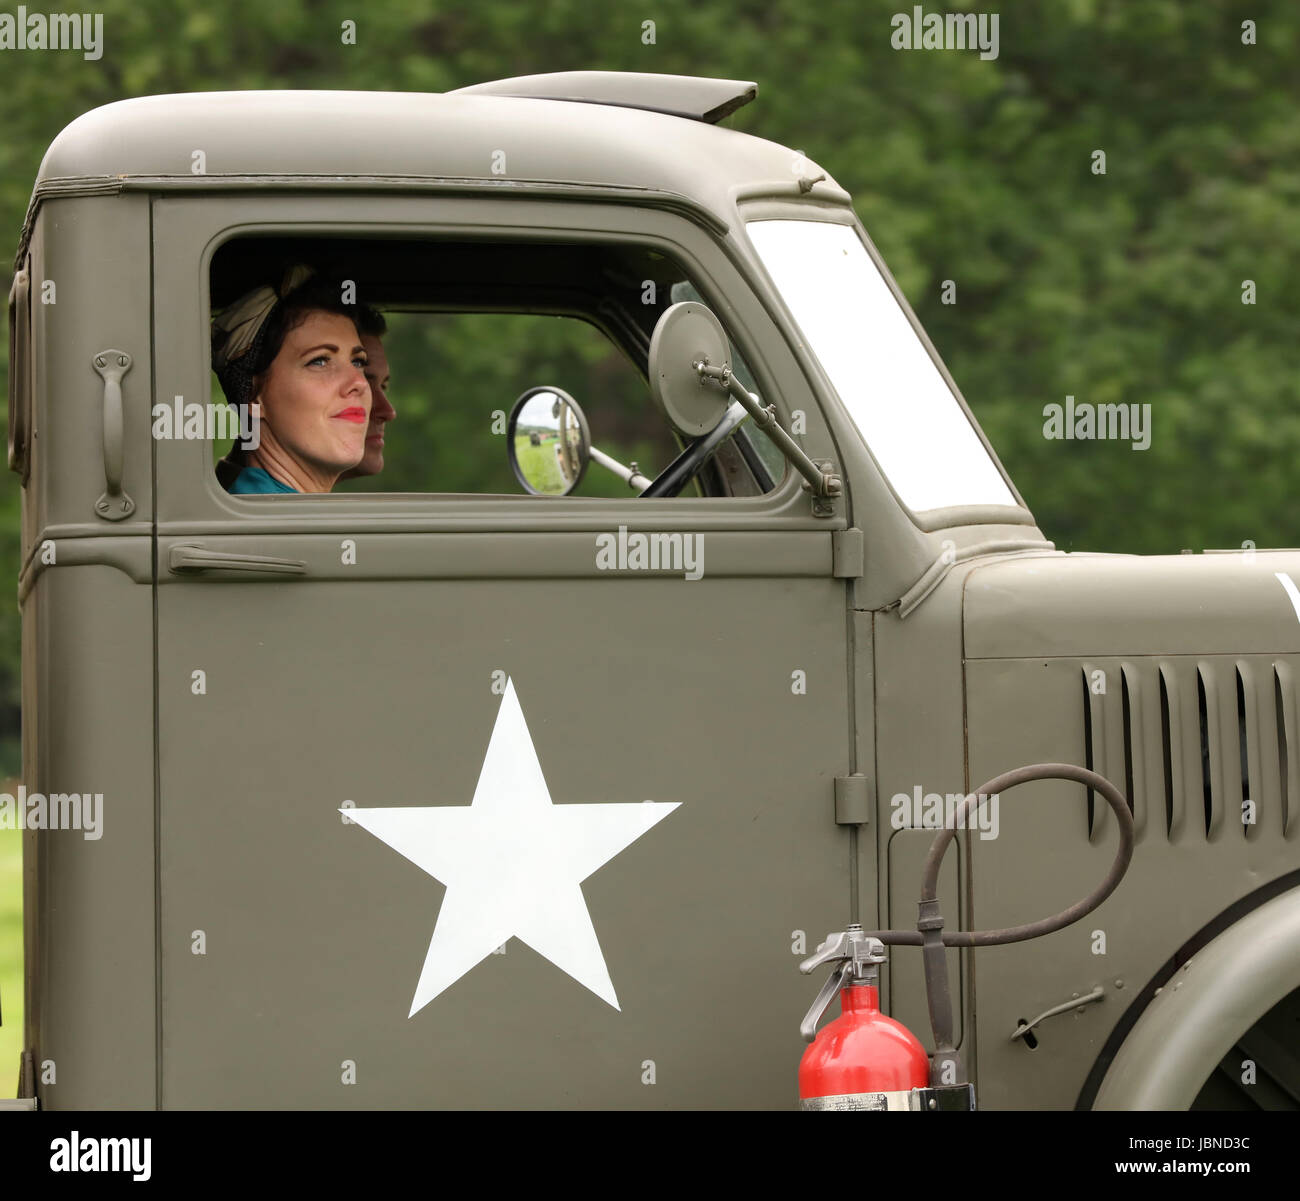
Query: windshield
x,y
906,413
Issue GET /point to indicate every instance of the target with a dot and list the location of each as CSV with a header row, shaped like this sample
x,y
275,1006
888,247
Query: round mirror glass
x,y
548,441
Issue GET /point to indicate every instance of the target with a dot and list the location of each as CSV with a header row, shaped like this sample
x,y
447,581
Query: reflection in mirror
x,y
548,440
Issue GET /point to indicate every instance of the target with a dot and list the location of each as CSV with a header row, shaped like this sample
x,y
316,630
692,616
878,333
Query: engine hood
x,y
1240,602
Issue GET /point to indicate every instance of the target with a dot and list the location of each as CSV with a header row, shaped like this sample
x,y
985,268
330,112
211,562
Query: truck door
x,y
463,802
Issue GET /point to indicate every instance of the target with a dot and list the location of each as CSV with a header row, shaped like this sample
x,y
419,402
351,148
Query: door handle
x,y
1075,1002
197,558
111,365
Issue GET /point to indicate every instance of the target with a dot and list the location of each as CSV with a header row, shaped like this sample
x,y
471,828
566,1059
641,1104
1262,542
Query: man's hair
x,y
370,322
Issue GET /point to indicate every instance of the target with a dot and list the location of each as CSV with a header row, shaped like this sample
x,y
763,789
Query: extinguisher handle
x,y
857,957
834,947
862,951
837,980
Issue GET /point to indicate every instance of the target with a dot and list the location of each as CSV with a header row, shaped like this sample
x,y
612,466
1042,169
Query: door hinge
x,y
847,553
852,800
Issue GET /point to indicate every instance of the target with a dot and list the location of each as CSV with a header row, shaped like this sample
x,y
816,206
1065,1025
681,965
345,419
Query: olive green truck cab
x,y
478,797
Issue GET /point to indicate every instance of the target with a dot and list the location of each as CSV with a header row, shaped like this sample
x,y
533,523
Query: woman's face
x,y
315,397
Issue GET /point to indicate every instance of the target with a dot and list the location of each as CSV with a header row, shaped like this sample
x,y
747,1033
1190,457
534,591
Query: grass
x,y
538,465
11,954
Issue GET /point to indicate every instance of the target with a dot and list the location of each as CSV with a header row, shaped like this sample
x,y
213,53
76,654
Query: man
x,y
372,327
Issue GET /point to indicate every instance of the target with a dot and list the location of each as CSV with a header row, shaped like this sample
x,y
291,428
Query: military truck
x,y
534,795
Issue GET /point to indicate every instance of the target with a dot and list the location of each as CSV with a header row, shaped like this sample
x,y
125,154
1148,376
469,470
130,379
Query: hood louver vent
x,y
1206,748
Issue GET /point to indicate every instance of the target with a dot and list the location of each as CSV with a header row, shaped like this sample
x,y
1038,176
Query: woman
x,y
294,356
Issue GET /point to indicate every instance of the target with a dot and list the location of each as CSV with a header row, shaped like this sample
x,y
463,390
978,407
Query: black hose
x,y
929,932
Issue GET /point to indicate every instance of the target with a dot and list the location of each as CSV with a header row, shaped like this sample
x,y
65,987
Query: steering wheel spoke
x,y
687,465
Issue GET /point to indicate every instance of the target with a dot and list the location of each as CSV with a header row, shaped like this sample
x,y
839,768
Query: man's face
x,y
381,412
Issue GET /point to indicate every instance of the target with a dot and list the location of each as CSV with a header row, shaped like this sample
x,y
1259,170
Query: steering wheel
x,y
687,465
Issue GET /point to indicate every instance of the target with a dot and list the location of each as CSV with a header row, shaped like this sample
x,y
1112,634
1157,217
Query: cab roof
x,y
611,129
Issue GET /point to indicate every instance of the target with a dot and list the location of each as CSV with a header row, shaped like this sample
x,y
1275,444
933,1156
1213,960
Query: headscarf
x,y
237,333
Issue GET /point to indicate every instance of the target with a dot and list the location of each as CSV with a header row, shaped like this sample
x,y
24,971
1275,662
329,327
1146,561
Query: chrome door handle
x,y
196,558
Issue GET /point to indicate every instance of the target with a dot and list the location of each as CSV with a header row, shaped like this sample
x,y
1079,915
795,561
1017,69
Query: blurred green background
x,y
1117,288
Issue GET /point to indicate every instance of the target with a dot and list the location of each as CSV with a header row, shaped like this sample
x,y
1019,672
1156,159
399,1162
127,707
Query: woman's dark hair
x,y
317,294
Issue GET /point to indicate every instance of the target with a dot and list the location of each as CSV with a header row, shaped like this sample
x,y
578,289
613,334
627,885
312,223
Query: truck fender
x,y
1204,1007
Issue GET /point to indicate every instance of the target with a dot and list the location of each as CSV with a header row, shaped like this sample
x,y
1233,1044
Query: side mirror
x,y
691,380
548,441
688,333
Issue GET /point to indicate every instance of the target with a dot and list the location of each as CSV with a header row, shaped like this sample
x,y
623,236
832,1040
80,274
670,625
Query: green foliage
x,y
11,953
1123,287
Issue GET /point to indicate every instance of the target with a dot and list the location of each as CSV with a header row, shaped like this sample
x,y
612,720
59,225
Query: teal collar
x,y
255,479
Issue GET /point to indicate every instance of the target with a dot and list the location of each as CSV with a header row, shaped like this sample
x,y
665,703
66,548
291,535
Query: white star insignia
x,y
513,863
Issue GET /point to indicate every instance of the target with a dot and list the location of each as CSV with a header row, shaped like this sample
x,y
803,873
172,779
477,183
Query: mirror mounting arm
x,y
823,481
631,476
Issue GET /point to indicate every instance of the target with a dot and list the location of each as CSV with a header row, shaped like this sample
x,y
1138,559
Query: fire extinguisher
x,y
863,1059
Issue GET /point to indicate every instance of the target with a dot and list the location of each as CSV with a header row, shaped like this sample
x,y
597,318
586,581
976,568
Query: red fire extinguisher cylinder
x,y
862,1052
863,1059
